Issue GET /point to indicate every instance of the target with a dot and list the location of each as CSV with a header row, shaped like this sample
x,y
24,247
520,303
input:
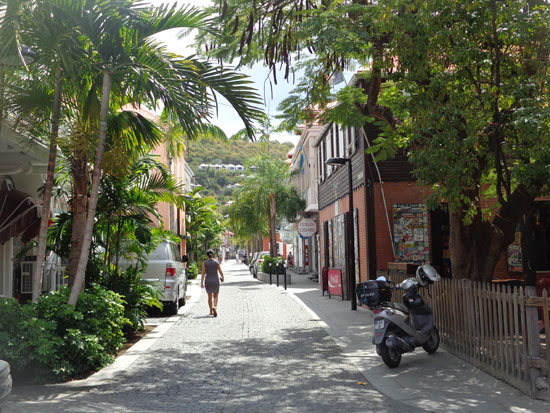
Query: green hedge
x,y
53,341
277,265
192,271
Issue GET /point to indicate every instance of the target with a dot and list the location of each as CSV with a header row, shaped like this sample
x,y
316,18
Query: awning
x,y
19,216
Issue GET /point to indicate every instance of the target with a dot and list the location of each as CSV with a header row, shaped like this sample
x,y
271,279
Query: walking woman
x,y
210,281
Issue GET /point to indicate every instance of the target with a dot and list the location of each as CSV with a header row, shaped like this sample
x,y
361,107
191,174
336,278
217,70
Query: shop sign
x,y
286,236
307,228
335,282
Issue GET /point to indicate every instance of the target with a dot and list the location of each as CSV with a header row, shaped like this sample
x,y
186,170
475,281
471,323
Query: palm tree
x,y
14,14
110,59
267,189
246,223
202,222
128,202
118,35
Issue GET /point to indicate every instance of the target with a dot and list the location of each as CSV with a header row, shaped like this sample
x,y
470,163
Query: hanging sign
x,y
306,227
286,236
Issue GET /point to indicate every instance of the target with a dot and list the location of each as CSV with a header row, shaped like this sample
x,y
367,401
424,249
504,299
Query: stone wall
x,y
264,277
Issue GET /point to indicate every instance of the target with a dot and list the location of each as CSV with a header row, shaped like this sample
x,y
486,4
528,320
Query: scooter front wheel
x,y
391,357
432,344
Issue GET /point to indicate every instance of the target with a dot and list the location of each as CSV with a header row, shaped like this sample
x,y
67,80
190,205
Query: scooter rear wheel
x,y
391,357
432,344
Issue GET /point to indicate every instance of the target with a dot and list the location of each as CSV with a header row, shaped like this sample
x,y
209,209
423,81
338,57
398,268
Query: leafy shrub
x,y
192,271
11,333
55,341
277,264
139,295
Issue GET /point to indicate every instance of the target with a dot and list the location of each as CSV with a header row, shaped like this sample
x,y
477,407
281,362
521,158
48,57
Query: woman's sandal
x,y
215,312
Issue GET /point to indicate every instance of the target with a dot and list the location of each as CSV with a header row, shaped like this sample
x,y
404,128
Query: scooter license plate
x,y
379,324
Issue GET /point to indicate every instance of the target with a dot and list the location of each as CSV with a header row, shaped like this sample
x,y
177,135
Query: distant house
x,y
228,167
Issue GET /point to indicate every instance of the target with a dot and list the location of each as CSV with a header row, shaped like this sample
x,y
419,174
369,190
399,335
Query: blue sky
x,y
227,118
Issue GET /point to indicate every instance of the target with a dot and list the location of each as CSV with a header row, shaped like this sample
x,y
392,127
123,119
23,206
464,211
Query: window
x,y
322,159
328,140
26,277
350,141
161,252
340,139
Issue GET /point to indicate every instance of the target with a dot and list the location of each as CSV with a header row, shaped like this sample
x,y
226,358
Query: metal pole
x,y
351,242
284,272
270,274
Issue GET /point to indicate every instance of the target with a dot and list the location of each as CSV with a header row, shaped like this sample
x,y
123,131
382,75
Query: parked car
x,y
252,261
166,270
258,263
5,380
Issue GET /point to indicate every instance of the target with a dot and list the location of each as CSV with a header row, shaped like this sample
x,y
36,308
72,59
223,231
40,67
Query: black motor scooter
x,y
400,328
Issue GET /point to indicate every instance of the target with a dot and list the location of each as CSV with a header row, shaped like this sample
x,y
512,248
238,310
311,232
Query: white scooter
x,y
400,328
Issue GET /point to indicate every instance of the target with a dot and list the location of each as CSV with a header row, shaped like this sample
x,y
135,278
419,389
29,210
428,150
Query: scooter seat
x,y
397,306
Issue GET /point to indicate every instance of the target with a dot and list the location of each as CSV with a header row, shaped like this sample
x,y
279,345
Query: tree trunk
x,y
44,219
476,248
272,230
85,250
79,171
528,256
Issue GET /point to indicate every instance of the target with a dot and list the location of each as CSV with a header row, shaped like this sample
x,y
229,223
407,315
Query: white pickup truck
x,y
165,269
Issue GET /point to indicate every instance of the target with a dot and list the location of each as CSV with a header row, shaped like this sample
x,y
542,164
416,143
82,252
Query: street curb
x,y
121,363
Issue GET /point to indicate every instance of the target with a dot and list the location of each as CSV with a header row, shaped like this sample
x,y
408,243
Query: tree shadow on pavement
x,y
285,370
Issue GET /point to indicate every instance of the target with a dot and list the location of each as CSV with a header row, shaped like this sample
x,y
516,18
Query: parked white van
x,y
166,270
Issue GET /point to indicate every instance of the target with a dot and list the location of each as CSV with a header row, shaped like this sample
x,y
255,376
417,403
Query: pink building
x,y
173,219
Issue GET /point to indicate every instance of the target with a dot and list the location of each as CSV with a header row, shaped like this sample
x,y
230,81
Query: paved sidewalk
x,y
264,352
439,382
273,350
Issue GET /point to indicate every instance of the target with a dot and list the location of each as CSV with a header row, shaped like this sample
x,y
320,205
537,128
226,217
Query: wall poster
x,y
330,236
410,233
356,244
340,239
513,254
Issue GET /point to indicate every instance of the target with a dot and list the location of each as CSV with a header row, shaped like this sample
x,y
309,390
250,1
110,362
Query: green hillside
x,y
217,183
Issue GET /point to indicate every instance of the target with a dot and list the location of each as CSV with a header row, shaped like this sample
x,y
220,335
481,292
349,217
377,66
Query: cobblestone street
x,y
264,352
